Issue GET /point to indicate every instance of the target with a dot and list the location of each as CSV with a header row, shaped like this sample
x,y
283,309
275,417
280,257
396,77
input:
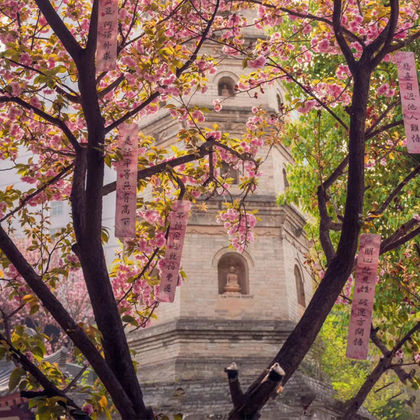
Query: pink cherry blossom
x,y
257,63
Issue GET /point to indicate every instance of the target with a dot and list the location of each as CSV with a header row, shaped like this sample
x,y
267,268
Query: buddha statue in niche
x,y
225,90
232,284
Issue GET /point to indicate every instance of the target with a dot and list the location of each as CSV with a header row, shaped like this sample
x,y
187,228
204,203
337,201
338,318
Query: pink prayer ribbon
x,y
410,98
172,261
106,47
363,296
126,190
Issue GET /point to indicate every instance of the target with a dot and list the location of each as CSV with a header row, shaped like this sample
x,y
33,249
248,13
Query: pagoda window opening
x,y
226,87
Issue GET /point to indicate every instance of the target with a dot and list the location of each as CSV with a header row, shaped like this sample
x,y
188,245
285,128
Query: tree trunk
x,y
302,337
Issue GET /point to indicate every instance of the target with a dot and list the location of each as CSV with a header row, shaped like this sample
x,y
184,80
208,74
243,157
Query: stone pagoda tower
x,y
232,307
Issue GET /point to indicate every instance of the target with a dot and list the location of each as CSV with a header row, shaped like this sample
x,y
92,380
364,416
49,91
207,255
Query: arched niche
x,y
232,274
226,86
300,289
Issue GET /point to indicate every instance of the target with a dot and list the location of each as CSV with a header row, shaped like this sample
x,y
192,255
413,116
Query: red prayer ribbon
x,y
106,47
126,190
410,98
172,261
363,296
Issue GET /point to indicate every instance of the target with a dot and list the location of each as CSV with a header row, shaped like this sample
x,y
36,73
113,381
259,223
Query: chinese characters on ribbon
x,y
106,49
125,212
364,293
410,99
172,261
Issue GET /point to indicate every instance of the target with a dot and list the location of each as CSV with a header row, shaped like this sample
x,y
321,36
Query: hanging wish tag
x,y
106,46
126,190
410,98
172,261
363,296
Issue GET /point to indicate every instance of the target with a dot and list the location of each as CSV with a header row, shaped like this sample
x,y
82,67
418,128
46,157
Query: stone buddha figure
x,y
232,284
225,90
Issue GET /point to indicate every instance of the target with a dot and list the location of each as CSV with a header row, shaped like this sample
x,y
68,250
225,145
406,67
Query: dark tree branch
x,y
203,37
400,236
381,117
401,241
383,128
111,87
28,197
234,385
202,151
401,44
90,250
338,31
60,29
396,191
401,373
386,36
336,174
78,196
308,16
47,117
133,112
342,166
93,29
73,97
66,322
50,390
302,337
324,226
383,365
311,94
354,405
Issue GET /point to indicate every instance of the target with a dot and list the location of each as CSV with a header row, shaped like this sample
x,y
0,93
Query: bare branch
x,y
236,394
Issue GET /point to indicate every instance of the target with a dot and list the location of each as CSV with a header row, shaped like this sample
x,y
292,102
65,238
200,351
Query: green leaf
x,y
131,320
15,378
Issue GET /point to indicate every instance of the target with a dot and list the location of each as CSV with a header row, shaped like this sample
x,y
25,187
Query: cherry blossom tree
x,y
350,122
21,307
56,105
